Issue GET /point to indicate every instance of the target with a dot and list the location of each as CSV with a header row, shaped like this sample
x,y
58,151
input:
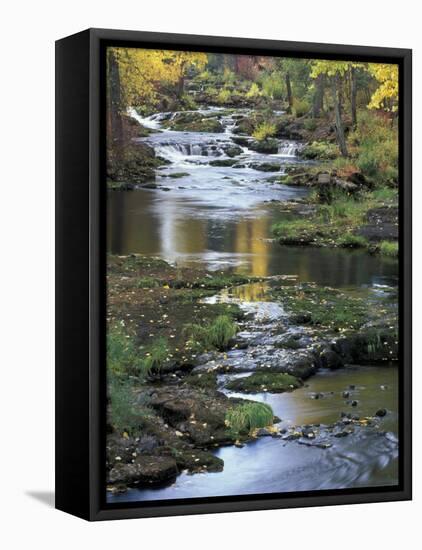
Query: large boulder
x,y
373,345
265,146
192,407
233,150
131,164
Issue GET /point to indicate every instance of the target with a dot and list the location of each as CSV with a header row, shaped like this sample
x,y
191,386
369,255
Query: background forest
x,y
348,111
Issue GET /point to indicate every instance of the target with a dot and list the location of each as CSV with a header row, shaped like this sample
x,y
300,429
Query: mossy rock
x,y
245,126
242,141
264,382
176,175
196,460
233,151
207,380
194,122
131,163
265,167
266,146
223,162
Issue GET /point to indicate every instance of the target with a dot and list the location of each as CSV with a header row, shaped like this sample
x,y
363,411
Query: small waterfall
x,y
152,122
287,149
176,151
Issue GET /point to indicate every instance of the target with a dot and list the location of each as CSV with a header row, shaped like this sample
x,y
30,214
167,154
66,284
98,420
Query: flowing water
x,y
220,217
273,465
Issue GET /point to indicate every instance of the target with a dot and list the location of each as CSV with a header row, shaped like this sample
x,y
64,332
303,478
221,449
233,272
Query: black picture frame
x,y
80,274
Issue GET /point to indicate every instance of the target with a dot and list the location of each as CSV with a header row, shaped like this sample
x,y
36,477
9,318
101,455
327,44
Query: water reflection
x,y
186,232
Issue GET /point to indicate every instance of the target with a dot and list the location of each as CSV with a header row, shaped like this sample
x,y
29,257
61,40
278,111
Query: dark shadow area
x,y
45,497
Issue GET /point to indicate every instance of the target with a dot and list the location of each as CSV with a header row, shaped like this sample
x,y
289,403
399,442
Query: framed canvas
x,y
233,274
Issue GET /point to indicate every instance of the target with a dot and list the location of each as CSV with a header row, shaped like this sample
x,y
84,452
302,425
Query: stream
x,y
220,217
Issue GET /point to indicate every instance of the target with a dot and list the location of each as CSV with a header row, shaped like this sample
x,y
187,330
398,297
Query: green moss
x,y
264,382
266,167
223,162
249,416
205,380
323,306
192,121
147,282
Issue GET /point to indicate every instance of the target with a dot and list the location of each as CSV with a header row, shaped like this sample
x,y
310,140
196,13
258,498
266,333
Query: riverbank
x,y
343,213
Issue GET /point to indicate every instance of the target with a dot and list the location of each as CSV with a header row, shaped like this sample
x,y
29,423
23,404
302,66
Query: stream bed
x,y
219,218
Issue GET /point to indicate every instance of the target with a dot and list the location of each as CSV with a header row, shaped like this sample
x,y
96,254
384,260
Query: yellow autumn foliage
x,y
387,75
142,71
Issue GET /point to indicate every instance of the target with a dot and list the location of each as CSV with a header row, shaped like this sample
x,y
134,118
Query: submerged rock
x,y
265,166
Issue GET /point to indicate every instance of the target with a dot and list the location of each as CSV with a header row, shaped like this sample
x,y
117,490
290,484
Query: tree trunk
x,y
180,86
289,93
114,99
341,139
353,93
317,105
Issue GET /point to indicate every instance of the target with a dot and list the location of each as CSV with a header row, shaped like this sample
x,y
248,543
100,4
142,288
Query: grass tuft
x,y
217,334
389,248
249,416
126,414
155,358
